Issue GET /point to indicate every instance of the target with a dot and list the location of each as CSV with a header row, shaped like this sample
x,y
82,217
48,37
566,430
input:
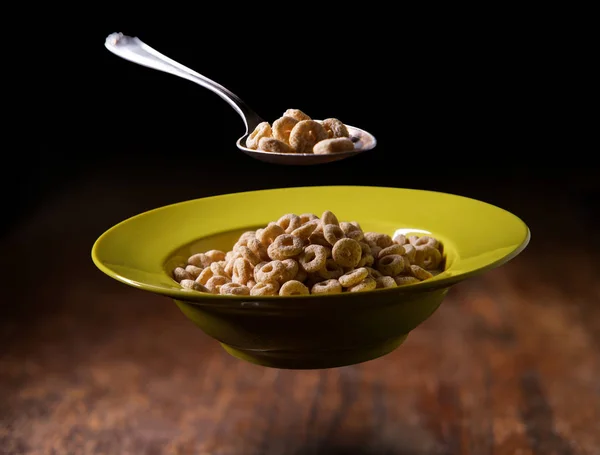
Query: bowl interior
x,y
142,250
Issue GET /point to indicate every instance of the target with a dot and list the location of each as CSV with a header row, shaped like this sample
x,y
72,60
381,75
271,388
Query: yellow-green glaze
x,y
319,331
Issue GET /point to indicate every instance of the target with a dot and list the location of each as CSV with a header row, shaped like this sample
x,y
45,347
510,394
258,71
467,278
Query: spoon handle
x,y
134,50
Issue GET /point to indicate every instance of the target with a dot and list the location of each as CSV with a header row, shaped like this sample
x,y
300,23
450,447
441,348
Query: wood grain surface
x,y
508,365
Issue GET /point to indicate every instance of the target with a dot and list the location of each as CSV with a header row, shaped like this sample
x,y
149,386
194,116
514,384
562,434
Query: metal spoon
x,y
134,50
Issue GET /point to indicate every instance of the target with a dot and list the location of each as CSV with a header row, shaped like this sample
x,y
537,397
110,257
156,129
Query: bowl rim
x,y
436,283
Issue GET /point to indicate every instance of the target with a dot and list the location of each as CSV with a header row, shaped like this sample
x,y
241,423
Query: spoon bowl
x,y
136,51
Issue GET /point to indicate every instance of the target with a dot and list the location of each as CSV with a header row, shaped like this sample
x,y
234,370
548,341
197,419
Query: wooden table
x,y
508,365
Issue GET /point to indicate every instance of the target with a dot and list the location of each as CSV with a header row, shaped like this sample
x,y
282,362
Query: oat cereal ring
x,y
332,270
289,222
347,252
306,217
332,233
318,237
293,287
291,270
333,145
270,144
234,289
282,128
199,260
335,128
420,273
374,272
218,270
368,284
296,114
266,288
352,231
391,265
425,240
204,276
242,241
250,284
267,235
378,239
193,285
193,271
366,260
305,134
258,249
313,258
400,239
353,277
181,274
243,271
263,129
215,282
393,249
215,255
285,246
306,229
403,280
271,271
248,254
385,282
331,286
409,252
328,217
427,257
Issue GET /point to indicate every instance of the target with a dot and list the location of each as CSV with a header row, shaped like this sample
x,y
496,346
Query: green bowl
x,y
315,331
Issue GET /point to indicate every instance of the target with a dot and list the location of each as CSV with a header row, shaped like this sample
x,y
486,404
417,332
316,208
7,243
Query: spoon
x,y
134,50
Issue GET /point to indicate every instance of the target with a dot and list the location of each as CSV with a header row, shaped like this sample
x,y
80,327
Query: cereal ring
x,y
250,284
291,269
258,249
383,282
263,129
352,231
313,258
266,288
393,249
248,254
335,128
204,276
333,145
282,128
296,114
215,255
267,235
347,253
373,272
368,284
234,289
331,286
285,246
331,270
305,134
353,277
293,287
409,252
193,285
375,250
243,271
218,269
391,265
215,282
181,274
423,241
306,229
306,217
420,273
242,241
378,239
332,233
193,271
270,144
289,222
366,260
318,237
400,239
404,280
200,260
271,271
328,217
427,257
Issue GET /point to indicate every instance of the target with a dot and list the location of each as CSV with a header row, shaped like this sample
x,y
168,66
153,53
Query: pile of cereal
x,y
296,132
305,254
